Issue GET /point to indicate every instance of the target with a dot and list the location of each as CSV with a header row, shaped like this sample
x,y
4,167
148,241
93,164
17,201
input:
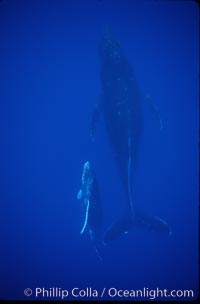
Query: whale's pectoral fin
x,y
95,118
154,110
87,203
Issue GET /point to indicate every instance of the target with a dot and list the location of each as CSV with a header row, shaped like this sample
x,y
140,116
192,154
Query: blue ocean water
x,y
49,83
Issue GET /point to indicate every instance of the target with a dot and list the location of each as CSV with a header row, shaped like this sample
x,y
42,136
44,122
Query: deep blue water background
x,y
49,81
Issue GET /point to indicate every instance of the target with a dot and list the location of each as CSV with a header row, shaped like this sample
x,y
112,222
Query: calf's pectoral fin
x,y
86,215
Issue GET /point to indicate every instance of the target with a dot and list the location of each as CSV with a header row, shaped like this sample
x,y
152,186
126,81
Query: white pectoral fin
x,y
87,202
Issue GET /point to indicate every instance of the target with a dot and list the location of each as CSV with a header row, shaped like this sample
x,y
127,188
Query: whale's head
x,y
110,50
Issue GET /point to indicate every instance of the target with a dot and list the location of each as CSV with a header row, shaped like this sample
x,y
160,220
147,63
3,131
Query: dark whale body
x,y
122,108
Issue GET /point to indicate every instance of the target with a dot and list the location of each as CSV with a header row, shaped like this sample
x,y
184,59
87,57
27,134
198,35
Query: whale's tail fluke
x,y
129,221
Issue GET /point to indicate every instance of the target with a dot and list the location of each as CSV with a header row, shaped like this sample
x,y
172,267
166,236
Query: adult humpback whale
x,y
121,105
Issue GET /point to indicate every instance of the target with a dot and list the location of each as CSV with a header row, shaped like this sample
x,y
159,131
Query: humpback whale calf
x,y
89,195
121,106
